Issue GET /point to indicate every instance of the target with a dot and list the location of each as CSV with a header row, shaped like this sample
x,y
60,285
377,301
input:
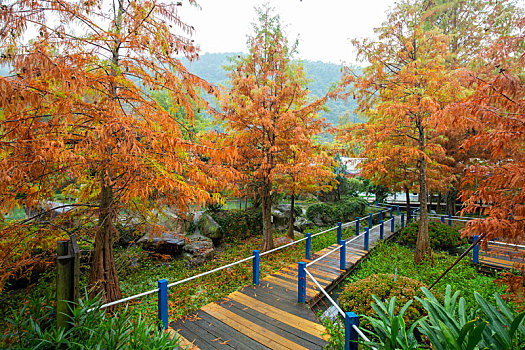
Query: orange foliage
x,y
272,121
78,117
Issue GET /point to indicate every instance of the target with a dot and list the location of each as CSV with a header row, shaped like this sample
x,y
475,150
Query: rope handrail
x,y
283,246
361,334
507,244
325,293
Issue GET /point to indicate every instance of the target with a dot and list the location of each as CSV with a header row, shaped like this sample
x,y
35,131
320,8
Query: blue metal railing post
x,y
308,254
381,230
163,302
397,209
475,251
255,268
342,255
301,283
402,220
370,220
351,335
357,226
442,219
449,219
338,233
391,212
380,215
367,232
376,203
393,224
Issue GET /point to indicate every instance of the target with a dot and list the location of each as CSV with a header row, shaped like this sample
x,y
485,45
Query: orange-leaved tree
x,y
406,83
268,114
79,119
494,184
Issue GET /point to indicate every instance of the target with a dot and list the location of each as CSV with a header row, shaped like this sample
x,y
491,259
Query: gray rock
x,y
200,248
280,218
166,243
330,314
209,227
300,223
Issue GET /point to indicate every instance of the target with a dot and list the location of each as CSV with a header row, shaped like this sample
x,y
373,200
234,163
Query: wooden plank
x,y
205,338
227,334
250,329
293,334
293,279
183,342
320,279
290,286
310,327
287,301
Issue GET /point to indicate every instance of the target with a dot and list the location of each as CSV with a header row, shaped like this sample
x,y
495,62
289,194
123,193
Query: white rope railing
x,y
325,293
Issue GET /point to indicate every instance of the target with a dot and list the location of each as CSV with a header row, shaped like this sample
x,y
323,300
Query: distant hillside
x,y
322,76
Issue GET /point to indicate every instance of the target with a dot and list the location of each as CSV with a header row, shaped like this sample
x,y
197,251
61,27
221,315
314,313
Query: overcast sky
x,y
324,27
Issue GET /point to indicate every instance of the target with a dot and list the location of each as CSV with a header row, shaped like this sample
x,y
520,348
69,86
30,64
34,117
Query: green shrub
x,y
34,327
238,224
357,297
441,236
321,212
349,208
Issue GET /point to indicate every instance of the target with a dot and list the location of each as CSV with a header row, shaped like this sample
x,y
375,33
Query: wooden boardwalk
x,y
268,316
501,257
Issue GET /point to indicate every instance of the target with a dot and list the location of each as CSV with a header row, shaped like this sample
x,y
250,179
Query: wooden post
x,y
357,226
338,233
308,254
67,282
342,255
163,302
301,283
367,232
255,268
351,335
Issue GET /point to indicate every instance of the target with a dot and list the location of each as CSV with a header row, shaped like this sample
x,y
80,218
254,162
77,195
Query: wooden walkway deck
x,y
501,257
268,316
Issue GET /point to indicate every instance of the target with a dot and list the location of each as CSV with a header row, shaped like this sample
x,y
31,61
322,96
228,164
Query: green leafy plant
x,y
239,224
349,208
336,331
34,327
390,329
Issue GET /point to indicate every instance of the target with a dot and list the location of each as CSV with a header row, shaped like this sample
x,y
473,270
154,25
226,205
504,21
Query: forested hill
x,y
322,76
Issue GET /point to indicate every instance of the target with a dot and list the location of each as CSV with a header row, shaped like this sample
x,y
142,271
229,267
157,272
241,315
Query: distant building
x,y
351,165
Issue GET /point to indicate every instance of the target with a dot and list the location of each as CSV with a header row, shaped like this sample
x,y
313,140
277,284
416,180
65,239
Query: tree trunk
x,y
407,194
103,277
267,239
451,198
292,218
423,242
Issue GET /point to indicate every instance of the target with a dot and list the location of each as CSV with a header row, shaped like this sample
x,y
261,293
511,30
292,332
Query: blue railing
x,y
352,331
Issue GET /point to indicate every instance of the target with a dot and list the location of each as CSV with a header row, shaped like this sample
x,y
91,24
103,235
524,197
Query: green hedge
x,y
349,208
324,211
441,236
357,296
239,224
